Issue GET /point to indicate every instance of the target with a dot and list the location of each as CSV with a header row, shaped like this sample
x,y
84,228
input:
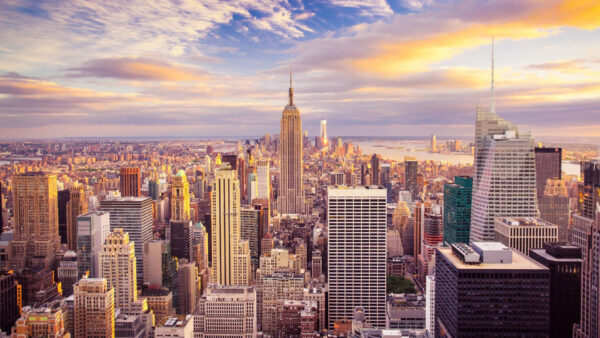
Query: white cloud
x,y
369,7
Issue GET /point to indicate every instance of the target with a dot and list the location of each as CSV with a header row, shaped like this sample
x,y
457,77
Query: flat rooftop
x,y
519,261
523,221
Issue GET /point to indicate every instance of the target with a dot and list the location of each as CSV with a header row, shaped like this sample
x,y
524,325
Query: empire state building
x,y
291,194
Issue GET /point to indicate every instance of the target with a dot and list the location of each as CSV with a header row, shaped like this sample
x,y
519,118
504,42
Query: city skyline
x,y
113,70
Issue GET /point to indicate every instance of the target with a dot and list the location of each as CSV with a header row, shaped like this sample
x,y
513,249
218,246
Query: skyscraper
x,y
251,231
354,213
433,234
263,178
555,206
504,183
589,189
92,230
76,206
63,199
548,165
291,194
411,184
433,144
490,290
180,198
119,267
323,135
589,325
130,181
94,308
36,237
187,287
376,177
160,268
134,216
229,261
457,210
8,300
564,262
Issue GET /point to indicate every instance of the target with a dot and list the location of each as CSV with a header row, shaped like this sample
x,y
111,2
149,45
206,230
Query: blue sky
x,y
206,68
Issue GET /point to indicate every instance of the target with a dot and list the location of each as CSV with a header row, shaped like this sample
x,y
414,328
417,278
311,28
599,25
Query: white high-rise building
x,y
357,253
134,216
504,183
263,179
118,267
430,304
92,230
324,140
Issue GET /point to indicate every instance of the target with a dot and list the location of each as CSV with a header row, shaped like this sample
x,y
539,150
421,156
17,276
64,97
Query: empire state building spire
x,y
291,100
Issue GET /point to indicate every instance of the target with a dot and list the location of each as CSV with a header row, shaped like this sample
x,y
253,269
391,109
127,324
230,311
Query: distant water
x,y
397,150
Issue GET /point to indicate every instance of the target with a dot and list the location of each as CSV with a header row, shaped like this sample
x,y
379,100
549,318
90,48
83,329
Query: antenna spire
x,y
291,93
493,103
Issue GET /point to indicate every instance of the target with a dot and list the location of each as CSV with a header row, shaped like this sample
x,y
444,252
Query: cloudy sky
x,y
371,67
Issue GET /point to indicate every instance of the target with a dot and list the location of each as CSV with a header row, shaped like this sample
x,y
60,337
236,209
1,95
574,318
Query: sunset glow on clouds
x,y
217,68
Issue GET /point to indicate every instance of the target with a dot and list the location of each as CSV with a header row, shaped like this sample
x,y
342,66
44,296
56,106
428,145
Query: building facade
x,y
457,210
291,193
356,253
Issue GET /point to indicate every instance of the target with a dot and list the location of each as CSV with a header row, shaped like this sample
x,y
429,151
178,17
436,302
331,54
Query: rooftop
x,y
519,261
523,221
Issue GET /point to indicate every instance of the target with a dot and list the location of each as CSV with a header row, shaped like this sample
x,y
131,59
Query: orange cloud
x,y
138,68
415,55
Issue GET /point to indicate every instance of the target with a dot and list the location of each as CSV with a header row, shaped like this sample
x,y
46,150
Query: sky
x,y
135,68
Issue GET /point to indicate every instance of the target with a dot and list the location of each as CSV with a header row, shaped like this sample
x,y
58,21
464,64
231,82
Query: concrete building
x,y
291,193
277,288
119,267
589,325
317,293
181,326
67,272
94,308
35,210
160,269
299,319
130,326
356,268
555,207
564,262
41,322
226,311
411,170
230,255
130,182
77,205
9,300
134,216
490,289
92,230
406,311
160,301
263,179
524,234
180,198
188,287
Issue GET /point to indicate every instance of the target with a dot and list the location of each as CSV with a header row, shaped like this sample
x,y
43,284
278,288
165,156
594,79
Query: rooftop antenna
x,y
493,104
291,103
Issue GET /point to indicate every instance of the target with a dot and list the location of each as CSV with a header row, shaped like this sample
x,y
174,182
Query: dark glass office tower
x,y
490,290
548,162
564,262
457,210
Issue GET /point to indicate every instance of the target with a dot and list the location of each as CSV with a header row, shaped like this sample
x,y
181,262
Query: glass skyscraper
x,y
457,210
